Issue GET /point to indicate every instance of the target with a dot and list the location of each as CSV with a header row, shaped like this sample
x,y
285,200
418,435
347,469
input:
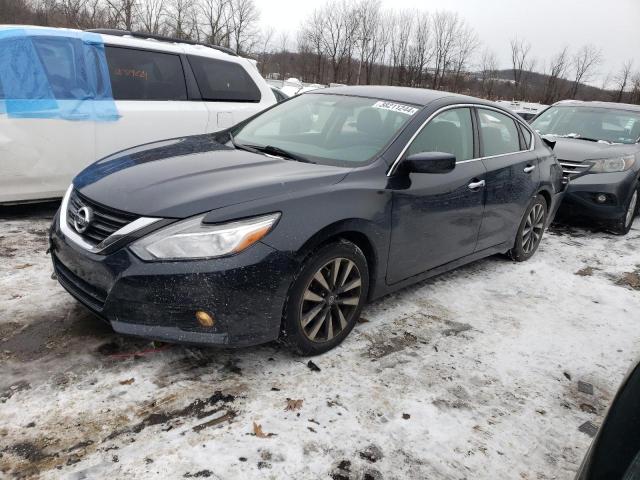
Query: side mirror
x,y
430,162
549,141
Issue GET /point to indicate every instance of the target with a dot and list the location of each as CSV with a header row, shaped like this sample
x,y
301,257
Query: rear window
x,y
145,75
221,81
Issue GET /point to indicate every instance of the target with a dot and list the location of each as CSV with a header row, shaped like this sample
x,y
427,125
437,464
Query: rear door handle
x,y
529,168
476,185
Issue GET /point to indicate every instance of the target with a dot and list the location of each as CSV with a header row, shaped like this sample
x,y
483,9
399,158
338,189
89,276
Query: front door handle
x,y
529,168
476,185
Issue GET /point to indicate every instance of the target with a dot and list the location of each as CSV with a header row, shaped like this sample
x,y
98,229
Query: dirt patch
x,y
630,279
455,328
52,334
8,329
199,408
383,346
29,457
585,272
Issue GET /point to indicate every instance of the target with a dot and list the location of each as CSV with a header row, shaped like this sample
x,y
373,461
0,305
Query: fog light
x,y
601,198
204,319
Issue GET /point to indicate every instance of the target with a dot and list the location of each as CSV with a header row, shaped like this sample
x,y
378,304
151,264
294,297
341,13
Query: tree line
x,y
355,42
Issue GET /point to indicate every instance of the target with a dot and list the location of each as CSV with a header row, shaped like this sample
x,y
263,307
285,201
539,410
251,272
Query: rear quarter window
x,y
526,134
221,81
145,75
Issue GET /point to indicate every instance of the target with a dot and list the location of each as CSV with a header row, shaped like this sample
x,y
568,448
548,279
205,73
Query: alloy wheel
x,y
330,300
632,209
533,228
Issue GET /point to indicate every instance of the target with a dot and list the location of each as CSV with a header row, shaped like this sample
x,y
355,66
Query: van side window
x,y
221,81
498,132
145,75
449,132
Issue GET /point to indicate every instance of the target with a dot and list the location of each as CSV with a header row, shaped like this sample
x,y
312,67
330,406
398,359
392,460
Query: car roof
x,y
415,96
597,104
124,38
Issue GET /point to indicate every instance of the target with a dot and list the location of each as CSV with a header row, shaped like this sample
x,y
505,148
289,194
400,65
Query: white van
x,y
68,98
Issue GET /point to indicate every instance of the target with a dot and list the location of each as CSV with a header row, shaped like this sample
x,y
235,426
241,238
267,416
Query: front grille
x,y
92,297
570,168
105,220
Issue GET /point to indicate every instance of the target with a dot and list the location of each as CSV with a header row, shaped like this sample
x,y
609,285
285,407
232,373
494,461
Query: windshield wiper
x,y
241,146
268,149
280,152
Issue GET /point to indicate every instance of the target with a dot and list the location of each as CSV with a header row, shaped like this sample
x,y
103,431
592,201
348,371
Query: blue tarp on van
x,y
54,73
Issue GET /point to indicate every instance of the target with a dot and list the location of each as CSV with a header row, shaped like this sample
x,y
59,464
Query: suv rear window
x,y
221,81
145,75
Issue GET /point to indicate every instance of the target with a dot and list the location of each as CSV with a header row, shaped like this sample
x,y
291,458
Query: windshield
x,y
326,129
605,124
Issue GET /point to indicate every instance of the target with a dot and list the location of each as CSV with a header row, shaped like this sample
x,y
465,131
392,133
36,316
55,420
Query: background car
x,y
285,225
597,144
70,97
615,451
527,110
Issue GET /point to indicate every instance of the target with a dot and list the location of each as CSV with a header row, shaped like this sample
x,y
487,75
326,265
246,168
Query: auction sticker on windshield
x,y
395,107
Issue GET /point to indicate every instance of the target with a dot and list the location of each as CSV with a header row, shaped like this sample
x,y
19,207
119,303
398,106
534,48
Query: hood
x,y
186,176
575,150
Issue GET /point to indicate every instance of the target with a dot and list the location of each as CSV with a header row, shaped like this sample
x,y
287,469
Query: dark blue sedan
x,y
283,226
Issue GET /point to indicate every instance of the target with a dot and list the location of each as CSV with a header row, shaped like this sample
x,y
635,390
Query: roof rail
x,y
161,38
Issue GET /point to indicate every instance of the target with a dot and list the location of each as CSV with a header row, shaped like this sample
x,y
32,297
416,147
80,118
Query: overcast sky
x,y
612,25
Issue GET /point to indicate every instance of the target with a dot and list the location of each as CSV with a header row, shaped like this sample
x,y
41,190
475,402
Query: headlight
x,y
614,164
191,239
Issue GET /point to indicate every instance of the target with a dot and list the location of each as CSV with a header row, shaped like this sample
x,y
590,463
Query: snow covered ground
x,y
474,374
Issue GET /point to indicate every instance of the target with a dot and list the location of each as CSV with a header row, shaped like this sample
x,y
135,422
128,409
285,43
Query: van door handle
x,y
529,168
476,185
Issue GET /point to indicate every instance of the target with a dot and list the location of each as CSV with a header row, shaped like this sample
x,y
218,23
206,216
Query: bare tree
x,y
420,49
266,37
466,44
338,34
488,68
216,15
584,62
122,13
312,37
181,19
283,42
368,13
244,19
555,74
402,29
521,63
622,79
152,16
445,29
378,46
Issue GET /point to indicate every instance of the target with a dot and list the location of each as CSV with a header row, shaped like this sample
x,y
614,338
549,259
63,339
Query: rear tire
x,y
530,230
625,222
325,299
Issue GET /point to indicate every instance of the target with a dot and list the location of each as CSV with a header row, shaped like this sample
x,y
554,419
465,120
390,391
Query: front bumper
x,y
580,199
245,293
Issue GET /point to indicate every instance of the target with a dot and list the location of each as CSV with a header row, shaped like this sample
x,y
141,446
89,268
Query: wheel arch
x,y
356,231
546,195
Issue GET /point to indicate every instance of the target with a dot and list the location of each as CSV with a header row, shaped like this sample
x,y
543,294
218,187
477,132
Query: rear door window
x,y
221,81
498,132
145,75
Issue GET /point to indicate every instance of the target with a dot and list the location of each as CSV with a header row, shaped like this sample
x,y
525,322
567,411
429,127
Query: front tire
x,y
530,231
624,223
326,298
